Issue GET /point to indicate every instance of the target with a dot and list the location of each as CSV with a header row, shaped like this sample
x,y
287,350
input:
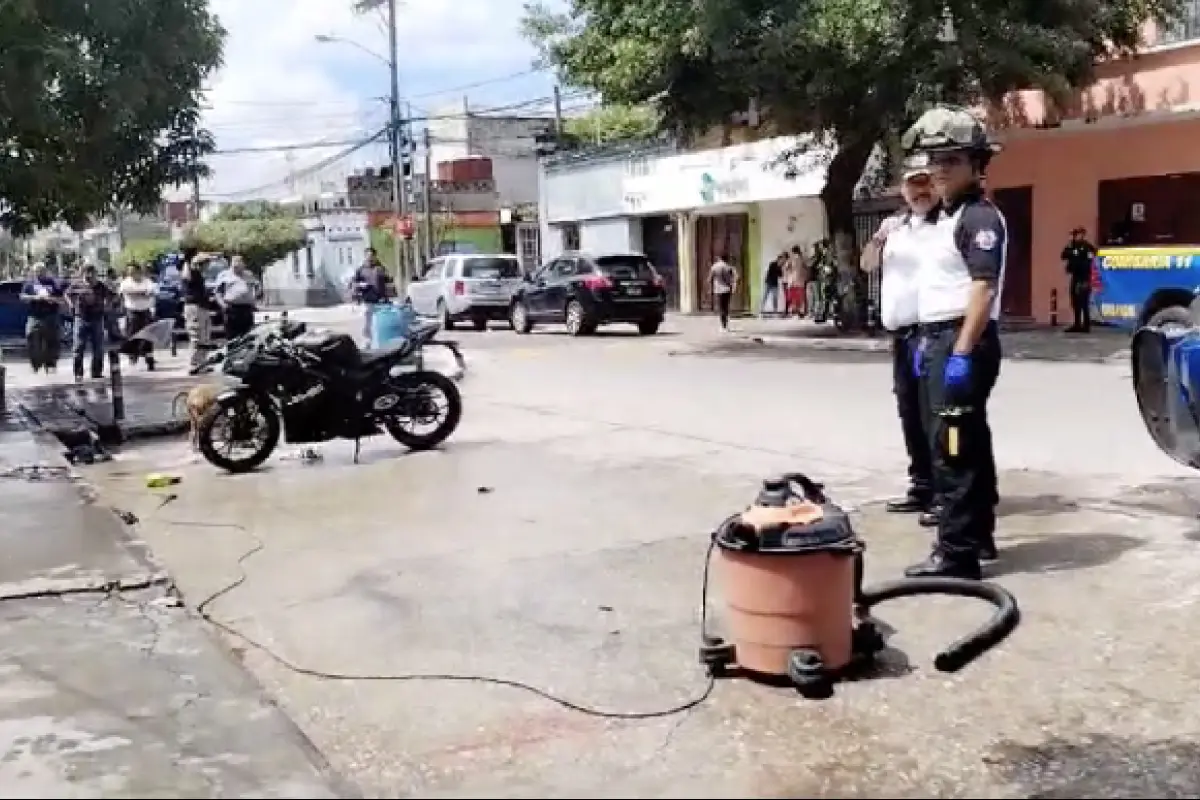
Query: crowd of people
x,y
799,284
114,310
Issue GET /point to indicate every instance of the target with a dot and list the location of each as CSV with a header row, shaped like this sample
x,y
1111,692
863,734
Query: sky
x,y
279,86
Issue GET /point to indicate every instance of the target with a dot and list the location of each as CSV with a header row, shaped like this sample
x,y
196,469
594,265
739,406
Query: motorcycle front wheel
x,y
426,409
238,434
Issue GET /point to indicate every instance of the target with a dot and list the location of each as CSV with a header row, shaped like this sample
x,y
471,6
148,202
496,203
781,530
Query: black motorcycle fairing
x,y
325,411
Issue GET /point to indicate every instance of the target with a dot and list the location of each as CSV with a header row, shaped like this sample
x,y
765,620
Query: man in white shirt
x,y
235,294
137,292
724,280
896,249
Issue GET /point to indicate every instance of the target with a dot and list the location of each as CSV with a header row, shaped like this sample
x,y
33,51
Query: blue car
x,y
14,313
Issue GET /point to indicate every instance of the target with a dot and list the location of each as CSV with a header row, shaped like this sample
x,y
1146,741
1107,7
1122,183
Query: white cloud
x,y
280,86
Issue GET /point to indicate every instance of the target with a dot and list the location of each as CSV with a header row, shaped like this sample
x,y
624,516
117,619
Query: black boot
x,y
938,566
913,502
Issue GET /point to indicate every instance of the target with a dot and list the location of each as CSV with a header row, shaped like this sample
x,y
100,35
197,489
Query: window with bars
x,y
1185,27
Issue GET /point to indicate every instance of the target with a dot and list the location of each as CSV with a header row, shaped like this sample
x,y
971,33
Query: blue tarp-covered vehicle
x,y
1136,286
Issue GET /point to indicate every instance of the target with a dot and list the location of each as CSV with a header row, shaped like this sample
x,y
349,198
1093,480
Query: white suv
x,y
461,287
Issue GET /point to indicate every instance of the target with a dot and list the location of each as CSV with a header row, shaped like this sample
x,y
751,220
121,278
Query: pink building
x,y
1126,154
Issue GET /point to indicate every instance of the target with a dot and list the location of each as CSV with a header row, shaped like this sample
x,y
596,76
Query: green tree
x,y
142,251
100,104
846,71
253,209
614,123
261,242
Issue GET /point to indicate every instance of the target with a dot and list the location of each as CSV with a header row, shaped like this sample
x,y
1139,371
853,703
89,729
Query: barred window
x,y
1185,27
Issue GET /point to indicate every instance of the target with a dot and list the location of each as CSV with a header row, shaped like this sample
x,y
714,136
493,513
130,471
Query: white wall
x,y
573,192
786,223
610,235
516,179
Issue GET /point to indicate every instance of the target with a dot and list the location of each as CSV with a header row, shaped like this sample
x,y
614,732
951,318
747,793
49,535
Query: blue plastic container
x,y
390,323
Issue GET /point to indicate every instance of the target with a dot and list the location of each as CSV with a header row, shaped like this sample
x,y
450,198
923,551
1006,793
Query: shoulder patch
x,y
986,239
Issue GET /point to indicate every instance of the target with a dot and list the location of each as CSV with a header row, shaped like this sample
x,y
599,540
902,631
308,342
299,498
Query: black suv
x,y
585,291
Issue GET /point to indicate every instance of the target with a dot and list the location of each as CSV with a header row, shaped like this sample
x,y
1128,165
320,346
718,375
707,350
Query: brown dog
x,y
197,402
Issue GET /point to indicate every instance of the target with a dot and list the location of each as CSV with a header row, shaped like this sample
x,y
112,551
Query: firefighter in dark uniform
x,y
958,352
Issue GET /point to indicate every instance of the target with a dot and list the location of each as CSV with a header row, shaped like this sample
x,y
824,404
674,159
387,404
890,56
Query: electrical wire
x,y
203,609
307,171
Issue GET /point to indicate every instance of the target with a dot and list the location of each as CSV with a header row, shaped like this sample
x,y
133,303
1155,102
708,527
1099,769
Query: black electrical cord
x,y
443,677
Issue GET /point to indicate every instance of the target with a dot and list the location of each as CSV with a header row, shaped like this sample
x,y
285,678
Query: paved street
x,y
110,689
558,539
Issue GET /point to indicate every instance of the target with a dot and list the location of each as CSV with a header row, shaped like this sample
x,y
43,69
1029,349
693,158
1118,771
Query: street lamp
x,y
399,193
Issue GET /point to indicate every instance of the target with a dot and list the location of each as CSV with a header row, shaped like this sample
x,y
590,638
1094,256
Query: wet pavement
x,y
58,404
786,338
109,687
558,540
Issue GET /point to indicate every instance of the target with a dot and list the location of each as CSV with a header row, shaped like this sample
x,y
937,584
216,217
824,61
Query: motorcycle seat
x,y
393,350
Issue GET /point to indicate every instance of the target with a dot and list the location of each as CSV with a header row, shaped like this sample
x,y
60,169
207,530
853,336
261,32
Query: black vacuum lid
x,y
832,533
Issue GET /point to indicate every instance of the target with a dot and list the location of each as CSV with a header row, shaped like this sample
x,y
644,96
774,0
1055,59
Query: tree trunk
x,y
838,197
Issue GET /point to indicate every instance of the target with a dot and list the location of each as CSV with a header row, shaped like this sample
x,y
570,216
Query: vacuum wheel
x,y
717,656
806,670
867,641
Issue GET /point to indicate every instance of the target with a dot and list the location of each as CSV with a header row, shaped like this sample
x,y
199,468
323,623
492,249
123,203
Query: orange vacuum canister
x,y
789,568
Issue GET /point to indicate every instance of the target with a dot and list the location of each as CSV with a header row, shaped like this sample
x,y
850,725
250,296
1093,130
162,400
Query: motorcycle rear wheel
x,y
413,388
232,410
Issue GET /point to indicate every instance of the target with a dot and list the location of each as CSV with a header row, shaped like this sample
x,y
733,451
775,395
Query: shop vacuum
x,y
791,570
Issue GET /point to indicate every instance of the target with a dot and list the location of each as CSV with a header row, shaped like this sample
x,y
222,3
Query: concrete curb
x,y
156,575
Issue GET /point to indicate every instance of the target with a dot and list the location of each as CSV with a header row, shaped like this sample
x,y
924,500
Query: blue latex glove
x,y
918,356
958,371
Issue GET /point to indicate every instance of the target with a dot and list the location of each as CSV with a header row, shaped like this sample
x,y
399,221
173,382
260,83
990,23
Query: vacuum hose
x,y
968,648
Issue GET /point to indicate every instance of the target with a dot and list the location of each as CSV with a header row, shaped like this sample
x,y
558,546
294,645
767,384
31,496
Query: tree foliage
x,y
142,251
100,104
846,71
251,210
261,241
613,123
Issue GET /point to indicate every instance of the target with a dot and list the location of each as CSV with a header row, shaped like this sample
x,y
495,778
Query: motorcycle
x,y
316,386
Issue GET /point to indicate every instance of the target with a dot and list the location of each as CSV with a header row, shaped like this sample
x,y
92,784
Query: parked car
x,y
478,288
584,291
14,313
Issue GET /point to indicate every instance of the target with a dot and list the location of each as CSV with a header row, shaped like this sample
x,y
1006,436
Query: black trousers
x,y
723,299
964,464
912,408
1081,302
239,319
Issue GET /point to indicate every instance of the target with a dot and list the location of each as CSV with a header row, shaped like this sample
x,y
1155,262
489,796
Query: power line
x,y
432,93
286,148
306,171
476,84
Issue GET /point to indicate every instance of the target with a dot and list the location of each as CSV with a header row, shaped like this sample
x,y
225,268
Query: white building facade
x,y
319,275
684,209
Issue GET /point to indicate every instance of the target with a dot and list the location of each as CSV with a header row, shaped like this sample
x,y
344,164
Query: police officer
x,y
897,249
958,352
1077,256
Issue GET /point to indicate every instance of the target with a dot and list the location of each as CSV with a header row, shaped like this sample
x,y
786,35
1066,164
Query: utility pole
x,y
399,192
428,233
558,118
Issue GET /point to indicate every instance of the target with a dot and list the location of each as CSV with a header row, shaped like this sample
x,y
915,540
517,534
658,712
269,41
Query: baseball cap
x,y
915,165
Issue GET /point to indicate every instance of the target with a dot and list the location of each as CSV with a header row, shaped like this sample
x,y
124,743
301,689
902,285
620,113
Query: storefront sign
x,y
730,175
729,190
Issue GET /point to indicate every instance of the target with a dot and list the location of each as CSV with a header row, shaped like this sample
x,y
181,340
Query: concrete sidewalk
x,y
110,688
